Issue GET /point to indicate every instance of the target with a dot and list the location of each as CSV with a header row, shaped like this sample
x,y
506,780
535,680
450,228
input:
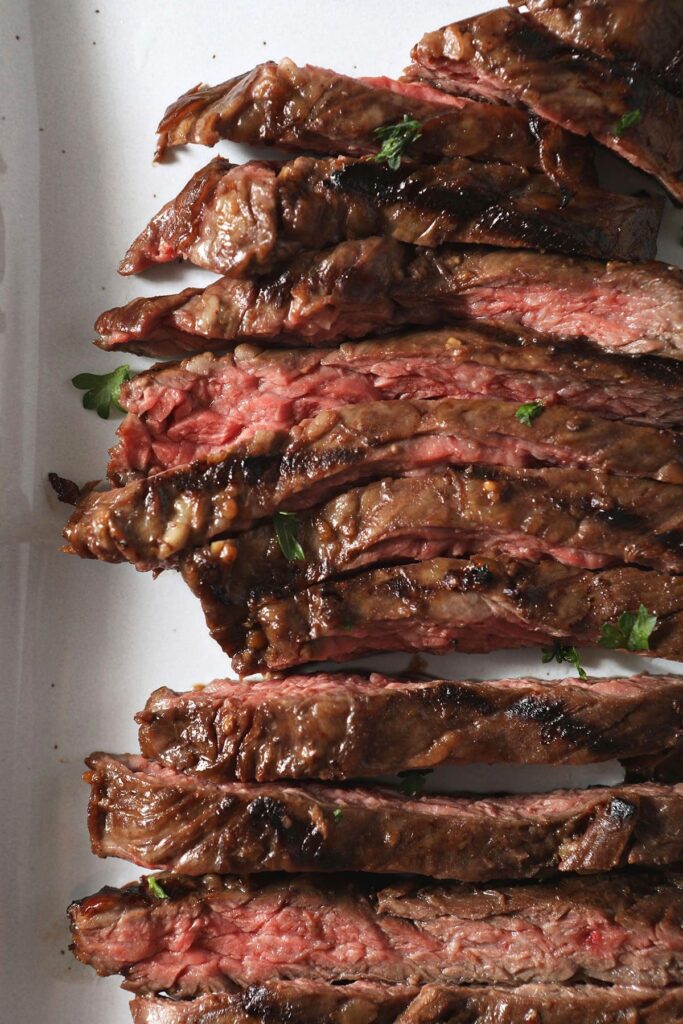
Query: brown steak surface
x,y
161,819
341,726
504,56
372,284
154,519
217,931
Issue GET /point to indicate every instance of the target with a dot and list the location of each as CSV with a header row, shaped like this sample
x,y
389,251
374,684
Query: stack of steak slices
x,y
432,403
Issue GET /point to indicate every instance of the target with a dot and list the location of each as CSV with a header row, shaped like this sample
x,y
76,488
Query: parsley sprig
x,y
286,526
102,390
559,653
395,138
627,121
528,412
413,780
631,633
155,888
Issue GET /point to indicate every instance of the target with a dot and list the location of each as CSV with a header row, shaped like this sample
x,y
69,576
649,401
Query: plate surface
x,y
83,85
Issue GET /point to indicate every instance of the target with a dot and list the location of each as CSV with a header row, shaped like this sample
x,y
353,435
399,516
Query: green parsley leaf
x,y
395,138
155,888
413,780
627,121
286,529
560,653
337,815
632,632
528,412
102,390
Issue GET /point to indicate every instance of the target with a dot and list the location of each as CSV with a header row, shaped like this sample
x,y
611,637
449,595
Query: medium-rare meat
x,y
441,606
373,284
248,219
358,1003
181,412
316,110
316,1002
577,517
648,33
161,819
505,56
152,520
213,932
344,726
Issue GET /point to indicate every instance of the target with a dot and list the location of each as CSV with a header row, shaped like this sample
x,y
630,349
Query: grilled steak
x,y
646,32
314,1002
152,520
440,606
181,412
344,726
161,819
320,111
319,1003
364,286
251,218
619,928
505,56
577,517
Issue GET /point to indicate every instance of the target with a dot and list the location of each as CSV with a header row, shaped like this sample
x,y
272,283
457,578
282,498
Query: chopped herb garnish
x,y
337,815
155,888
627,121
632,632
560,653
286,529
395,138
413,780
102,390
528,412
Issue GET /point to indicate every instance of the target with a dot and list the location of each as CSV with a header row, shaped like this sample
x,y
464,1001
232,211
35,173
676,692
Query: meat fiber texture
x,y
151,521
440,606
374,284
158,818
316,110
219,931
339,726
507,57
358,1003
251,218
179,412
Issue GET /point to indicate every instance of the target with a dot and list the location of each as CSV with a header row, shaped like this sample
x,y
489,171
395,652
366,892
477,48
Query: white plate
x,y
83,85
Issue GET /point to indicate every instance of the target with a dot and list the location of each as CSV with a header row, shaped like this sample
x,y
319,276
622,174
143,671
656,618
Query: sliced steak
x,y
309,1002
344,726
315,110
181,412
161,819
254,217
359,1003
441,606
152,520
644,32
507,57
365,286
213,932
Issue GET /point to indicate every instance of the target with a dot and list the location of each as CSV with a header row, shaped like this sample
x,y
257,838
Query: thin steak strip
x,y
316,110
184,411
254,217
161,819
505,56
211,933
340,726
371,285
435,1004
648,33
152,520
441,606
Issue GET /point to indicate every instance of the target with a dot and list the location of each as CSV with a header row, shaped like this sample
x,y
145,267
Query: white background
x,y
82,644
